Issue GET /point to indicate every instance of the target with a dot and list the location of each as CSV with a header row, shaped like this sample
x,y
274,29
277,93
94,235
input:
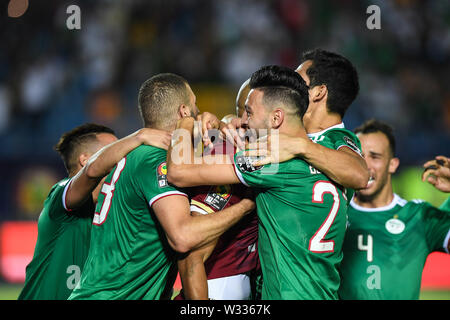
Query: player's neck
x,y
293,129
73,172
382,199
170,127
319,119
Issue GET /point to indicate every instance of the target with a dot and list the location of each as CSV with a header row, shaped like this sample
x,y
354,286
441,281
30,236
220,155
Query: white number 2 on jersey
x,y
108,191
317,244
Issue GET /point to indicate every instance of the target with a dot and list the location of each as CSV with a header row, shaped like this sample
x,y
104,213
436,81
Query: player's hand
x,y
234,132
437,173
208,121
153,137
275,148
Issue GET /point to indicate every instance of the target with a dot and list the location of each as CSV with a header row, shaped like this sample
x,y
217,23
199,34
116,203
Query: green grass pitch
x,y
11,292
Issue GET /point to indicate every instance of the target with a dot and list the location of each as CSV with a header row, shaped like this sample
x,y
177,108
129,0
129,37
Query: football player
x,y
141,221
301,219
388,238
89,152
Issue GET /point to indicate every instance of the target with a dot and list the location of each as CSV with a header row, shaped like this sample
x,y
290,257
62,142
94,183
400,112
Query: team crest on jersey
x,y
395,226
351,144
161,175
245,163
218,197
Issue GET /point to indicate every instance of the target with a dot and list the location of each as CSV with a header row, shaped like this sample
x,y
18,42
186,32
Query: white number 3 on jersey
x,y
108,191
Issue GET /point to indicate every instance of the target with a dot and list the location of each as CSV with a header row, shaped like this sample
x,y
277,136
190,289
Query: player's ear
x,y
277,118
393,165
83,159
184,111
318,93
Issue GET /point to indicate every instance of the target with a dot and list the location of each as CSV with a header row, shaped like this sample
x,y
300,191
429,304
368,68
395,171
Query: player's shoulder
x,y
146,154
330,131
346,135
58,187
334,134
418,205
54,203
145,150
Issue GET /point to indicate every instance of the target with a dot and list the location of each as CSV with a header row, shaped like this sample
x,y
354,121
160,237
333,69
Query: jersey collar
x,y
318,134
396,200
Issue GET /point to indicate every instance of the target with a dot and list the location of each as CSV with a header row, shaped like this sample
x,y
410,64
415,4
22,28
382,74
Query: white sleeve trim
x,y
197,209
239,175
446,240
165,194
64,195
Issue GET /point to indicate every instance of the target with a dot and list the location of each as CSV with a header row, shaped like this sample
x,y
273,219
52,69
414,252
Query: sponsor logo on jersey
x,y
350,143
161,175
245,163
218,197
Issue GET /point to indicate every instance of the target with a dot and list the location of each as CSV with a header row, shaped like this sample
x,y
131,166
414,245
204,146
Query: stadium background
x,y
53,79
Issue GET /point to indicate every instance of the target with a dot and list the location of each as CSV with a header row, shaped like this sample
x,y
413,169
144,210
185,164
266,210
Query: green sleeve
x,y
153,179
344,138
273,175
250,175
445,205
338,138
437,226
57,208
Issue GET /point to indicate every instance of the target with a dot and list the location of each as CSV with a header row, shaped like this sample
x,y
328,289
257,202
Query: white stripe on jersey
x,y
239,175
165,194
68,182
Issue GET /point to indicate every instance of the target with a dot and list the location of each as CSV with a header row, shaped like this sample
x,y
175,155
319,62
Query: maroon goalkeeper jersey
x,y
236,251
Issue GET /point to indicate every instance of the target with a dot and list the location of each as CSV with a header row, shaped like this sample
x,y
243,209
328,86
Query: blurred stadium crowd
x,y
52,78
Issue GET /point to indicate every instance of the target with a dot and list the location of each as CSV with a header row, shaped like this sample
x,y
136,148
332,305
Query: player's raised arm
x,y
185,170
185,232
102,162
192,272
344,166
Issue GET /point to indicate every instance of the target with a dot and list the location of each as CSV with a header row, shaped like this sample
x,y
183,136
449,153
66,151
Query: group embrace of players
x,y
279,201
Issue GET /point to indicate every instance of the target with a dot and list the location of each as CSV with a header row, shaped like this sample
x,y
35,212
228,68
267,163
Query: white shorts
x,y
230,288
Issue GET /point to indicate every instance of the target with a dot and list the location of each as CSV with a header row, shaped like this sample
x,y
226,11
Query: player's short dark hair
x,y
281,84
373,126
335,72
70,144
159,95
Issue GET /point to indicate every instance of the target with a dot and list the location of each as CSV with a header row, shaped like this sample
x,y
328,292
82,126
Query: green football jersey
x,y
130,257
445,205
61,248
385,249
336,137
302,217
